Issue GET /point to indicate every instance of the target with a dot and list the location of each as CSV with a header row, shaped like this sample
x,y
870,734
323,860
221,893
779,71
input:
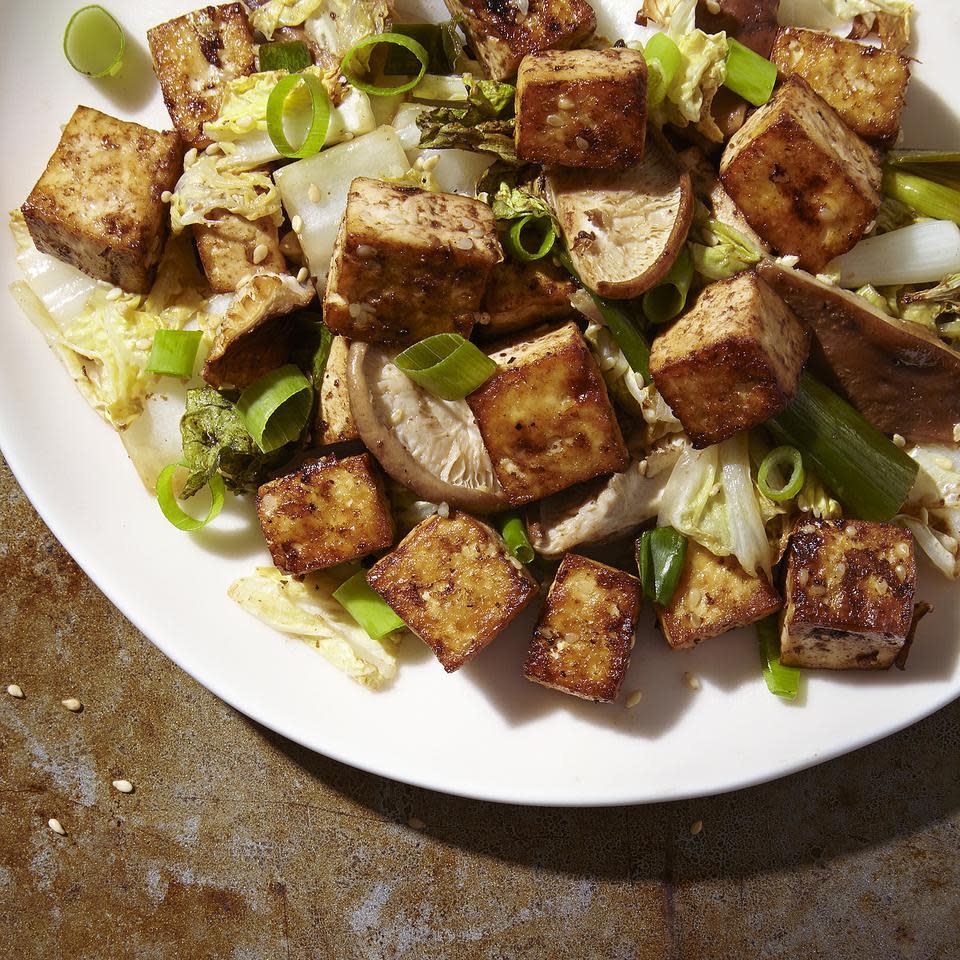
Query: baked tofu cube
x,y
732,361
582,108
849,595
522,295
328,512
714,595
334,421
866,85
585,633
233,249
194,57
545,417
98,204
408,263
455,584
808,185
502,34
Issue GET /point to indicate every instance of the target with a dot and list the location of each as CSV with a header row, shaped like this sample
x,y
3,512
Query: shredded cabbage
x,y
334,25
932,511
274,14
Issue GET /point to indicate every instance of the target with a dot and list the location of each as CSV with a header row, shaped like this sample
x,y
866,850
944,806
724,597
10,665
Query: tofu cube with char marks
x,y
328,512
408,263
194,56
333,422
228,249
849,595
98,204
454,583
582,108
585,633
866,85
714,595
545,417
805,182
502,33
732,361
522,295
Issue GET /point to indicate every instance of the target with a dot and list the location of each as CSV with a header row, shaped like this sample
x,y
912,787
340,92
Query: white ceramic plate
x,y
484,732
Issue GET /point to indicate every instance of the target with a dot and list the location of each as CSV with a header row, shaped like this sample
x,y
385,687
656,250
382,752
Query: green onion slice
x,y
367,607
289,55
778,460
514,238
277,407
440,41
940,165
663,61
93,42
748,74
514,533
781,681
928,197
397,39
174,352
668,298
446,365
172,509
319,120
661,554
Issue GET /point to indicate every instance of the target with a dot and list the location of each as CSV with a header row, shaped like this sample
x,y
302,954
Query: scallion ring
x,y
367,607
514,238
446,365
397,39
514,533
276,408
778,460
319,120
174,353
93,42
172,510
663,61
748,74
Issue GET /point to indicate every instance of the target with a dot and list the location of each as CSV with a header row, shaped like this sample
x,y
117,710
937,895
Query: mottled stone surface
x,y
236,844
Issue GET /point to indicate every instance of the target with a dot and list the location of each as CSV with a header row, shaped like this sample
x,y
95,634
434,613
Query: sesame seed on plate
x,y
696,827
899,440
415,823
72,704
691,682
56,826
633,699
15,690
124,786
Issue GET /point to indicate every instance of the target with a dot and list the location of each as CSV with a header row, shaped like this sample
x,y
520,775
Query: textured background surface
x,y
237,844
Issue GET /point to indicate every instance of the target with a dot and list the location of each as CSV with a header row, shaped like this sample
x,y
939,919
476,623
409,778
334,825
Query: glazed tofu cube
x,y
714,595
807,184
585,633
545,417
521,295
455,584
233,249
98,204
408,263
328,512
849,595
866,85
732,361
582,108
334,421
194,56
502,34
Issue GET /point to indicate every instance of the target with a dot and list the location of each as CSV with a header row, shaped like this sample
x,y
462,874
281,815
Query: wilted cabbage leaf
x,y
932,510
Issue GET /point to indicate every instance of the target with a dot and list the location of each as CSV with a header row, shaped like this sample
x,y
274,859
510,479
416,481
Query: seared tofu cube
x,y
585,633
334,421
714,595
866,85
194,57
849,595
545,417
409,263
98,204
732,361
233,249
455,585
807,184
582,108
502,34
328,512
522,295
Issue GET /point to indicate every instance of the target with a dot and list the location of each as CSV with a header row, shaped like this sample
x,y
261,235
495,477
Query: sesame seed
x,y
348,135
15,690
124,786
190,158
956,433
444,509
213,149
365,250
582,143
633,699
899,440
244,124
850,530
260,253
56,826
302,274
565,103
464,243
841,569
114,294
313,192
72,704
803,577
554,120
297,224
166,196
696,827
901,571
691,682
415,823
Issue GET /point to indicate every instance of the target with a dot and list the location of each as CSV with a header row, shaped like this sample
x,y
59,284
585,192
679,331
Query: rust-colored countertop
x,y
235,844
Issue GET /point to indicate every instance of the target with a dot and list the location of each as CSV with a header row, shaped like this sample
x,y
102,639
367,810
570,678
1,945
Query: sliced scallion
x,y
925,196
396,39
172,510
290,55
276,408
367,607
663,61
748,74
514,533
440,40
446,365
93,42
661,554
778,461
940,165
174,352
530,223
781,681
319,117
668,298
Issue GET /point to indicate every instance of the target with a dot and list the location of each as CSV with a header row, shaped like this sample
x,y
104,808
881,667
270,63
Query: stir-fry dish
x,y
458,308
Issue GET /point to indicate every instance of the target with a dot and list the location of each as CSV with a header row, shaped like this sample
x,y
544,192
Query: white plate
x,y
484,732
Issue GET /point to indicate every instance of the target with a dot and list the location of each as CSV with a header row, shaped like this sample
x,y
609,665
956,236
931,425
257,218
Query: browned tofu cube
x,y
866,85
328,512
807,184
194,57
582,108
334,421
455,585
522,295
545,417
233,249
714,595
849,595
502,34
408,263
98,204
732,361
583,639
